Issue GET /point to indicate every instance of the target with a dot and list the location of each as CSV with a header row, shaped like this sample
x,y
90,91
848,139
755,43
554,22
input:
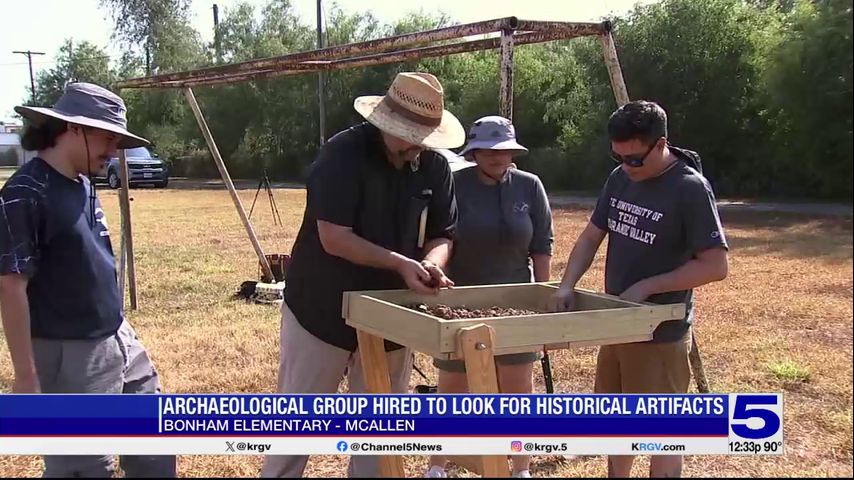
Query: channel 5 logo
x,y
516,446
756,416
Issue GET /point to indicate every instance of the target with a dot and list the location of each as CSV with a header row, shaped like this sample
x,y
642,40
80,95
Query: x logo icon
x,y
229,446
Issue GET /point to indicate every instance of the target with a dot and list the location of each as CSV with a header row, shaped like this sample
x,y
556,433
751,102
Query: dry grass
x,y
786,307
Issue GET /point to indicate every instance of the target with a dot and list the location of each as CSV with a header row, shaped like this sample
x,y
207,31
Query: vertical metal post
x,y
612,63
127,233
505,103
321,78
217,42
226,178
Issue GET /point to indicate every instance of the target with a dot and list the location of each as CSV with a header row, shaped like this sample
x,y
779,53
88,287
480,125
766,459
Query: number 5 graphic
x,y
745,409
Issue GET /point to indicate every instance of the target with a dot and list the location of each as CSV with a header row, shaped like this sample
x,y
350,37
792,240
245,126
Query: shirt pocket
x,y
414,223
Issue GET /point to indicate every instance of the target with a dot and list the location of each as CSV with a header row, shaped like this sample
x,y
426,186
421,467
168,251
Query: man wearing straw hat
x,y
380,214
61,306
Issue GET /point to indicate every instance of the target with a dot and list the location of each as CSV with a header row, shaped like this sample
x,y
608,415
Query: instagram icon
x,y
516,446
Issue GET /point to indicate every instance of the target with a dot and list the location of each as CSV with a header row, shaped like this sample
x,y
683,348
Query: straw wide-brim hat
x,y
89,105
413,110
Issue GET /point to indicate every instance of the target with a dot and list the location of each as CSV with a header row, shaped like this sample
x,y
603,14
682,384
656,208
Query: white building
x,y
11,153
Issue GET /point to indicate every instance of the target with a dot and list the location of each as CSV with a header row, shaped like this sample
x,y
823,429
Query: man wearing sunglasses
x,y
664,239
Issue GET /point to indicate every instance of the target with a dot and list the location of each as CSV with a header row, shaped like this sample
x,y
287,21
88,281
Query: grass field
x,y
5,173
781,322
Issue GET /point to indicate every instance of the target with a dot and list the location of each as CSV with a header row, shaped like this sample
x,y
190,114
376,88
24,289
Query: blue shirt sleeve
x,y
19,232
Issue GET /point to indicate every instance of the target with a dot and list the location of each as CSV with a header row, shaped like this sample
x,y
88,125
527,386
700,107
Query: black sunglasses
x,y
632,160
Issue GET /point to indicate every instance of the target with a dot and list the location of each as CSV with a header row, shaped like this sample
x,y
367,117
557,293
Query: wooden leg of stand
x,y
377,380
477,344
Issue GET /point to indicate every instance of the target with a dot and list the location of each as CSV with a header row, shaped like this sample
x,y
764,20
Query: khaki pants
x,y
308,365
644,367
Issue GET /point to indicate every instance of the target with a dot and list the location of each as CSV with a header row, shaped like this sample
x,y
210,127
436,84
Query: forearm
x,y
693,274
356,249
15,312
542,267
579,262
438,251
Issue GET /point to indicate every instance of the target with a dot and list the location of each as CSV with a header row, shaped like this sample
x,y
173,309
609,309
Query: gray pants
x,y
308,365
117,364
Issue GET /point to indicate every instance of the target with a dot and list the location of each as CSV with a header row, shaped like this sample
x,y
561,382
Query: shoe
x,y
436,472
522,474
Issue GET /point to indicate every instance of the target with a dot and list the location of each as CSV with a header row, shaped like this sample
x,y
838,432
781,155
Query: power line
x,y
52,62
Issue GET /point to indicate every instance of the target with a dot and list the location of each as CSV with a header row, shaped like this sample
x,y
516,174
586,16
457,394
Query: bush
x,y
195,164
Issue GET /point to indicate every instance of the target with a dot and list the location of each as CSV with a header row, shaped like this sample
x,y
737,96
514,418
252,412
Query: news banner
x,y
737,424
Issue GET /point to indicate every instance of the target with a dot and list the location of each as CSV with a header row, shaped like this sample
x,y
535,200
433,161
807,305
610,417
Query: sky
x,y
43,25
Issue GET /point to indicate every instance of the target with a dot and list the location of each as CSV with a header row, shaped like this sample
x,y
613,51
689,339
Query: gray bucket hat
x,y
89,105
492,133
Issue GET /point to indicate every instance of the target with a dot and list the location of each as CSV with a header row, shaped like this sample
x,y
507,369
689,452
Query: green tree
x,y
75,62
701,61
159,30
810,101
157,38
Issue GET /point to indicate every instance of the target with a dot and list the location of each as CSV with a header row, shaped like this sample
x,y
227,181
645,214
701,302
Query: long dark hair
x,y
41,137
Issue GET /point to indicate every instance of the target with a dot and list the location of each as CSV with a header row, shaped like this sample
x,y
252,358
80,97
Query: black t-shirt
x,y
47,234
353,184
654,227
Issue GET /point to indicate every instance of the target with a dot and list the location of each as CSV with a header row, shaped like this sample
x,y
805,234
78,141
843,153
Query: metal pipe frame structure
x,y
502,33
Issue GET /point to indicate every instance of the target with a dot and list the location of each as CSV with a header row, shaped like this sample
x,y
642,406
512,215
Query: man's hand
x,y
637,293
438,279
563,300
15,317
26,384
417,278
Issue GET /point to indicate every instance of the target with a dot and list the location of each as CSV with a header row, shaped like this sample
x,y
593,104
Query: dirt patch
x,y
446,312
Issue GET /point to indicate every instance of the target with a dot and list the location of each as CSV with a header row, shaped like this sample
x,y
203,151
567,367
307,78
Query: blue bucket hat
x,y
89,105
492,133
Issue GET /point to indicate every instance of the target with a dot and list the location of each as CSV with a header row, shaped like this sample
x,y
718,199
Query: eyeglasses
x,y
632,160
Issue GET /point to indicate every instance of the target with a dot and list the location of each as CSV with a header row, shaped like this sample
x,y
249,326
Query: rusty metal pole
x,y
612,63
321,79
505,101
226,178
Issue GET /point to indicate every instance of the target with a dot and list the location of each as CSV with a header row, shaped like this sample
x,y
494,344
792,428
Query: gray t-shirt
x,y
499,228
654,227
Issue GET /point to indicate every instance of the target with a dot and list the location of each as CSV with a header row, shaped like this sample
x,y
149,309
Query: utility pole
x,y
147,57
321,77
29,55
217,47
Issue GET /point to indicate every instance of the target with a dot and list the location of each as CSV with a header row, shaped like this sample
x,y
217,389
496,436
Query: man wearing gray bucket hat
x,y
504,235
61,307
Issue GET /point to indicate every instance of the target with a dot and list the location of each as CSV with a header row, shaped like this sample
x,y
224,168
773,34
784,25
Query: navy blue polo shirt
x,y
48,233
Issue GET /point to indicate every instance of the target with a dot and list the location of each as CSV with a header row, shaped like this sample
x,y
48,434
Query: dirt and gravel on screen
x,y
446,312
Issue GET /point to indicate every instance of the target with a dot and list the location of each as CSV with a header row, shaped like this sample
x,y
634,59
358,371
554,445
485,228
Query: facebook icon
x,y
342,446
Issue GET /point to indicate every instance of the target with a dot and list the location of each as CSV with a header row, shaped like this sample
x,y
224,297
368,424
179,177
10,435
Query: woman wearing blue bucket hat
x,y
504,235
